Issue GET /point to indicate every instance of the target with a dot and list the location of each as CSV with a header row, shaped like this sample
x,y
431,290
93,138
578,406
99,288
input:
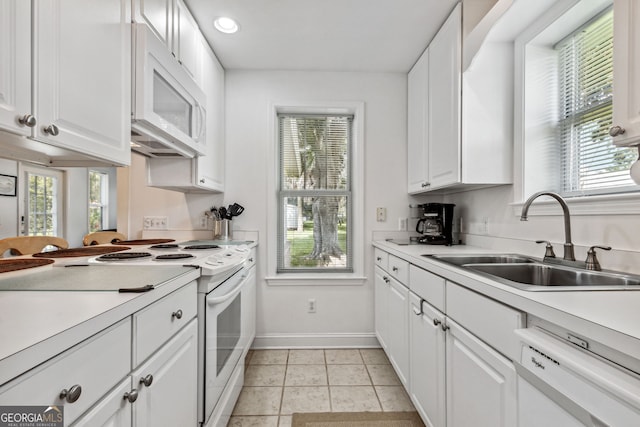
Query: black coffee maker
x,y
435,224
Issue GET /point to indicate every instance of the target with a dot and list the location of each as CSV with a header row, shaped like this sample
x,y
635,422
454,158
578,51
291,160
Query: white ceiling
x,y
326,35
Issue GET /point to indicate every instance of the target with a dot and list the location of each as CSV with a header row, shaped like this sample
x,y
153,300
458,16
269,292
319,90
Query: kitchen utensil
x,y
236,209
223,213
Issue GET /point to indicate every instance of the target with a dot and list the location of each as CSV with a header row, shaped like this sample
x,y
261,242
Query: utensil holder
x,y
222,229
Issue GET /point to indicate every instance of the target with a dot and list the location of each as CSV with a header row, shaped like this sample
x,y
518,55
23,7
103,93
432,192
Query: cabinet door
x,y
444,102
481,384
15,65
626,71
417,125
186,39
210,168
381,285
398,316
112,411
171,398
83,75
427,362
158,15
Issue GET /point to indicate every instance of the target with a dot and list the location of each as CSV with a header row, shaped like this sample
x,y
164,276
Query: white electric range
x,y
226,289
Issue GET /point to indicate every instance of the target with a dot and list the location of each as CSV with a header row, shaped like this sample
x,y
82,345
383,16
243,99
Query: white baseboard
x,y
315,341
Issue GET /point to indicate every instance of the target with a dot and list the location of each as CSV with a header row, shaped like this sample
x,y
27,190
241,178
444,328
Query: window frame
x,y
27,169
560,16
356,276
103,204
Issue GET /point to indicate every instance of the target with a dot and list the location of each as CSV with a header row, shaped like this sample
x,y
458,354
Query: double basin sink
x,y
530,274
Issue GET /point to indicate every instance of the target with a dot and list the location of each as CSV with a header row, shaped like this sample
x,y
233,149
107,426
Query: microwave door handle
x,y
201,118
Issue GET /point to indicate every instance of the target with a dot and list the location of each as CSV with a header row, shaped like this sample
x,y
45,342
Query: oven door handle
x,y
213,300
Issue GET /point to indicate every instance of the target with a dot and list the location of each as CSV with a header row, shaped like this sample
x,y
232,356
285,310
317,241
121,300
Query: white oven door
x,y
222,337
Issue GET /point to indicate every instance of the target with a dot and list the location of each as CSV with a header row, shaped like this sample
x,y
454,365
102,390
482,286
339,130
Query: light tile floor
x,y
280,382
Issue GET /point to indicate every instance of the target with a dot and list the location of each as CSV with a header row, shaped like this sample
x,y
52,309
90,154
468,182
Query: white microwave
x,y
168,107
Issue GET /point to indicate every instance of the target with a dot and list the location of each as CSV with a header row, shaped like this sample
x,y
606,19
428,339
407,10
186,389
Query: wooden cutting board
x,y
84,251
7,265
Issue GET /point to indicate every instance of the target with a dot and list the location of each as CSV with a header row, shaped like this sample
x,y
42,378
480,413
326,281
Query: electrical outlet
x,y
402,224
381,214
311,305
155,222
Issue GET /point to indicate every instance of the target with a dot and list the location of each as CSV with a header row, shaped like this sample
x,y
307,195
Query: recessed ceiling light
x,y
225,25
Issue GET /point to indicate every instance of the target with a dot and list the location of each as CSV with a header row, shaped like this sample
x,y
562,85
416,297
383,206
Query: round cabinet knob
x,y
131,396
201,180
52,130
177,314
27,120
72,394
147,381
444,327
616,131
395,269
436,322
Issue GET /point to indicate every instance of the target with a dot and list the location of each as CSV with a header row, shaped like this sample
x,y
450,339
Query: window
x,y
563,110
590,162
98,200
42,197
314,193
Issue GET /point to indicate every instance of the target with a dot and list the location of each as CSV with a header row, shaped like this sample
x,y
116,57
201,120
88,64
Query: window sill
x,y
315,280
611,204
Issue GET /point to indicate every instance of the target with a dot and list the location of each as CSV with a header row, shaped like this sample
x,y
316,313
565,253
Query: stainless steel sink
x,y
529,274
482,259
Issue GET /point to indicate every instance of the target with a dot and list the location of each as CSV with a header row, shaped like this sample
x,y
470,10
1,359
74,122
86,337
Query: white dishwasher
x,y
560,385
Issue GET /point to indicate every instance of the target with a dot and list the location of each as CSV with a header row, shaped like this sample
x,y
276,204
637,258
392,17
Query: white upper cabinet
x,y
15,67
444,102
172,22
83,83
626,68
418,125
75,95
467,135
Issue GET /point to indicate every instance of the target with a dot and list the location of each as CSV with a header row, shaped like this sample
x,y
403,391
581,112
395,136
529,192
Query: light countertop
x,y
611,318
37,325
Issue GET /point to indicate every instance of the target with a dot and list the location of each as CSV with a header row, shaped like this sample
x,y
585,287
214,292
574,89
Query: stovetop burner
x,y
165,246
123,256
196,247
169,257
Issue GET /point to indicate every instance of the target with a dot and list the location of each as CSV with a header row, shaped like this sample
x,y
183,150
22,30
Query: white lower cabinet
x,y
481,383
398,342
450,347
166,383
105,381
381,286
112,411
427,356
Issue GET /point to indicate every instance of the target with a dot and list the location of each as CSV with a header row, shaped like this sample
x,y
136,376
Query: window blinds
x,y
591,163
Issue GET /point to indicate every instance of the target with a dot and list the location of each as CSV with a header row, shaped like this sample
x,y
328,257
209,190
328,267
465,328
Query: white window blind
x,y
314,217
590,163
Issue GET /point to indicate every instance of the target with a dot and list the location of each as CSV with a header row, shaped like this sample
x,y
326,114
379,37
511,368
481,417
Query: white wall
x,y
505,231
8,205
342,311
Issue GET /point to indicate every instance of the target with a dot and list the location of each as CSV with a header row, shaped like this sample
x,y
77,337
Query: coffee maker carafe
x,y
435,223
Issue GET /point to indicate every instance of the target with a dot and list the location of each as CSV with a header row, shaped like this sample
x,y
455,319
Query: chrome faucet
x,y
568,246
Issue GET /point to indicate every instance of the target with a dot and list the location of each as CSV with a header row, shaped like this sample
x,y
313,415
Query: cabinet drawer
x,y
158,322
382,259
399,269
427,286
489,320
95,365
